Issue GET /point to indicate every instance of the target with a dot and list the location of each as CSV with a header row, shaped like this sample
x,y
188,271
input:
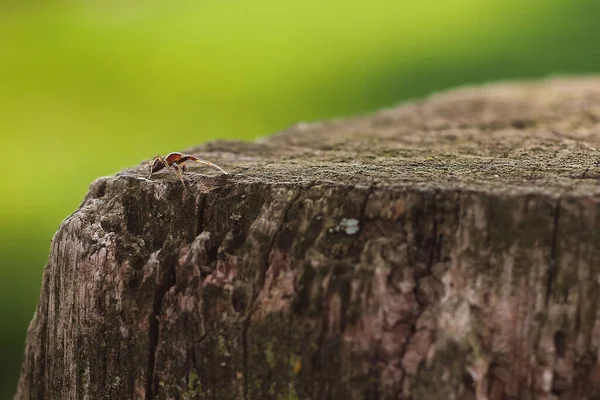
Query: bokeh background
x,y
88,88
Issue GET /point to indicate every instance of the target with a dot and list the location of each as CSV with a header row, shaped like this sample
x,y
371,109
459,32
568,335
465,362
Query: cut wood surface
x,y
444,249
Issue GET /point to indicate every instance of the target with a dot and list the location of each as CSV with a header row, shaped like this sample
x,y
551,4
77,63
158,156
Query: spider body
x,y
177,162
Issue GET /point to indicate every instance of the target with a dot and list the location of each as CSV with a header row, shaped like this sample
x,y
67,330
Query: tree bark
x,y
443,249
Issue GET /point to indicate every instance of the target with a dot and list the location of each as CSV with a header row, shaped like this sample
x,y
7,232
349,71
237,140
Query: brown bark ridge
x,y
443,249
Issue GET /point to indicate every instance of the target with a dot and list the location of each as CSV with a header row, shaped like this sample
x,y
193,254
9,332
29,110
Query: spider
x,y
177,162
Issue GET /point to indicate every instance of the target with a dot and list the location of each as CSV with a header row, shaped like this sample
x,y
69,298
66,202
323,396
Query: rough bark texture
x,y
444,249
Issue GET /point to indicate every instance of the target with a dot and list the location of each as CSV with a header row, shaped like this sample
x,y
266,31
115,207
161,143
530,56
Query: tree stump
x,y
444,249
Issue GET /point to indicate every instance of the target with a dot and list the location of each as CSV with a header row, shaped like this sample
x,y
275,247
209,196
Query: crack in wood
x,y
166,278
264,267
553,267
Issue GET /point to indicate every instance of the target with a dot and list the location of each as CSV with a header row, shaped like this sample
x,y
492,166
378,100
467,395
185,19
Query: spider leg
x,y
210,164
179,171
149,165
163,161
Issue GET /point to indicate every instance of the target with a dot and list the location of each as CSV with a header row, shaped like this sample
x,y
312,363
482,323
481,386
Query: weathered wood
x,y
444,249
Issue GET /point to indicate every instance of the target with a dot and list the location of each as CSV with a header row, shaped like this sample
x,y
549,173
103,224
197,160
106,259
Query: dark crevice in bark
x,y
152,343
57,284
553,267
317,355
361,216
596,165
41,385
363,208
434,253
585,173
200,206
261,281
245,353
194,361
325,384
292,378
434,247
163,285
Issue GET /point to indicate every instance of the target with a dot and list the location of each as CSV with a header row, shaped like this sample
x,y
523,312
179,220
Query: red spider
x,y
177,162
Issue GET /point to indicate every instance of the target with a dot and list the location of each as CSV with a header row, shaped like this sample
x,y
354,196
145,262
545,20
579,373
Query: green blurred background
x,y
87,89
